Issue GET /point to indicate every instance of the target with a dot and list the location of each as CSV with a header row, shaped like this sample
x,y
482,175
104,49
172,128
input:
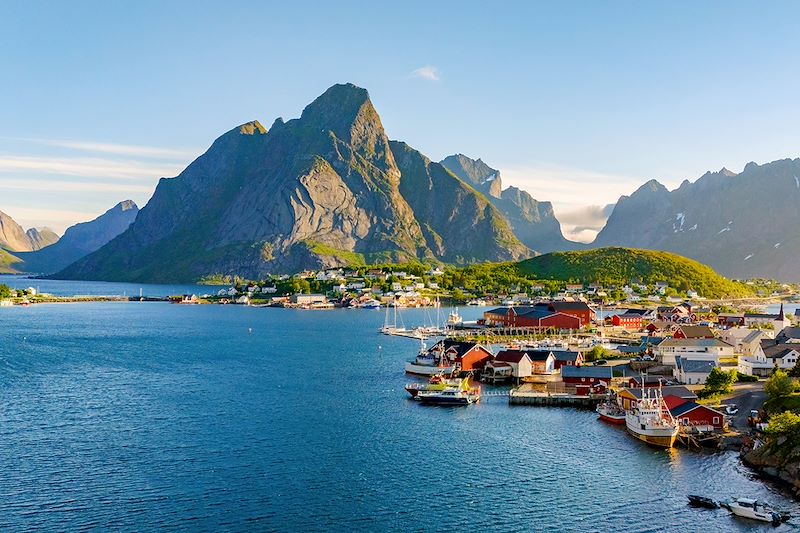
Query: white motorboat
x,y
753,509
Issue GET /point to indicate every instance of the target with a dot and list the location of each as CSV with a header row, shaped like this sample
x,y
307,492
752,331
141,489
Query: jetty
x,y
557,399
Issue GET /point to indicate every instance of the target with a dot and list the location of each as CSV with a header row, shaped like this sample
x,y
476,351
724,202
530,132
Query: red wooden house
x,y
693,414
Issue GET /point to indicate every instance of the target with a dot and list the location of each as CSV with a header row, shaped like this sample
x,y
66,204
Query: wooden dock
x,y
548,399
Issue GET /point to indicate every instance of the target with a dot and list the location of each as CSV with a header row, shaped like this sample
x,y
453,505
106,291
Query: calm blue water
x,y
102,288
133,416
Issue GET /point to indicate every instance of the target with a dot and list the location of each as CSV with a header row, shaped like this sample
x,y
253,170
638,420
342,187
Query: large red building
x,y
630,321
559,315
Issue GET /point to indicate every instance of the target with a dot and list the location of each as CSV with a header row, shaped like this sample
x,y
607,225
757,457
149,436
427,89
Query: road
x,y
746,396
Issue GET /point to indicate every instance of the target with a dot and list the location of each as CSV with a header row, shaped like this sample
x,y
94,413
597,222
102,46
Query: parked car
x,y
600,362
731,409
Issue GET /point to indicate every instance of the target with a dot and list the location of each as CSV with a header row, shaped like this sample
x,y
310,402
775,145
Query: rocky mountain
x,y
15,239
451,215
533,222
475,172
321,190
743,225
78,241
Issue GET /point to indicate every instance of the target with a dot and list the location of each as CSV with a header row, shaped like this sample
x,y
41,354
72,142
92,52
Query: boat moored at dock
x,y
462,394
650,421
611,412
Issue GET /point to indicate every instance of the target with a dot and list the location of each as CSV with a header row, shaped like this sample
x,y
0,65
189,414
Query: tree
x,y
795,371
718,382
5,291
595,354
779,385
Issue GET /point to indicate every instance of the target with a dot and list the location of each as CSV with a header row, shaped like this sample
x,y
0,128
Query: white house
x,y
692,372
768,355
308,299
693,349
744,340
270,290
521,364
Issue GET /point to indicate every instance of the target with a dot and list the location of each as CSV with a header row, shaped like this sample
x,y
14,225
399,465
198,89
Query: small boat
x,y
755,510
702,501
463,394
611,412
650,421
429,362
437,383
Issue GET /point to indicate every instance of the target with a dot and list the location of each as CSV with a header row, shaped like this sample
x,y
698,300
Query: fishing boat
x,y
702,501
371,304
437,383
650,420
463,394
755,510
611,412
430,362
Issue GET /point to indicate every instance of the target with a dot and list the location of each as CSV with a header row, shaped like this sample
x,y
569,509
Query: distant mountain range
x,y
15,239
330,189
743,225
78,241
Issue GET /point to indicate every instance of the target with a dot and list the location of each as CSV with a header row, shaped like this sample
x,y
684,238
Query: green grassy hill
x,y
7,262
622,265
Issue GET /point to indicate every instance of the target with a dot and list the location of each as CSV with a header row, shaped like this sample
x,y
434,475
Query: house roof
x,y
705,343
511,356
461,348
602,372
694,366
565,355
684,408
788,333
628,314
570,306
697,332
540,355
775,350
673,390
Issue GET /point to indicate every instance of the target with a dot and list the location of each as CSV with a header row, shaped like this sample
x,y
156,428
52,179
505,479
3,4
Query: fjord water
x,y
135,416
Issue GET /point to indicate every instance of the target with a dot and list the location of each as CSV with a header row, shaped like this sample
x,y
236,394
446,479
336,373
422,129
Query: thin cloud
x,y
87,167
130,150
428,72
56,186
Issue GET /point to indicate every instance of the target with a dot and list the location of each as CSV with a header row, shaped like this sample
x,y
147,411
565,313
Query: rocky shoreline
x,y
778,461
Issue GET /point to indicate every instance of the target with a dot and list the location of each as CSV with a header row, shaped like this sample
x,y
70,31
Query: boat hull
x,y
612,419
438,400
424,370
659,440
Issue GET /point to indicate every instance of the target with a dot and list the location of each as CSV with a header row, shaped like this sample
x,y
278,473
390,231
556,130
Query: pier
x,y
516,397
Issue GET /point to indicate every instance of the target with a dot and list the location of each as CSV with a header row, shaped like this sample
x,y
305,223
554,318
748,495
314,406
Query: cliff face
x,y
459,225
79,240
743,225
15,239
318,191
533,222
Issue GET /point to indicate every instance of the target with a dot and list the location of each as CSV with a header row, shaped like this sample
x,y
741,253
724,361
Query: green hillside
x,y
617,266
7,262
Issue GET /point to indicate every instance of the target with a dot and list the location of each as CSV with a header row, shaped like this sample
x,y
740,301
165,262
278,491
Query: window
x,y
715,420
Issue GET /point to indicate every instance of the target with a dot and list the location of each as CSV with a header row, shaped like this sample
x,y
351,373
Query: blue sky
x,y
576,102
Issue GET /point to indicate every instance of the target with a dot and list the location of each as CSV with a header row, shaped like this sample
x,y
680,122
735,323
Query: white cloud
x,y
56,186
87,167
428,72
29,217
120,149
576,194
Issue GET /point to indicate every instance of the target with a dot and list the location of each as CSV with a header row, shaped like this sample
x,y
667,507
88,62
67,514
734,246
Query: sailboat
x,y
391,328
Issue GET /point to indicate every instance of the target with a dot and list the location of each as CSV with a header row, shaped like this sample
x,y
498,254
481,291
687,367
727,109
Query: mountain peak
x,y
126,205
336,103
253,127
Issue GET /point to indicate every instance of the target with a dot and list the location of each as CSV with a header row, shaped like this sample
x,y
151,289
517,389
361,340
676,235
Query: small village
x,y
701,374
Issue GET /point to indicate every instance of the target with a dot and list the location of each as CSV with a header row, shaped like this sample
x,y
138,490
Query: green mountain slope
x,y
7,263
623,265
